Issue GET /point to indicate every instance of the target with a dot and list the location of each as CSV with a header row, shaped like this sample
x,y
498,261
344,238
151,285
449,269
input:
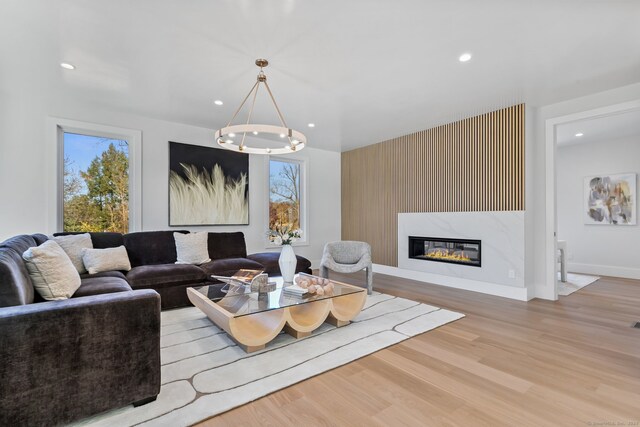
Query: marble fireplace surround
x,y
503,251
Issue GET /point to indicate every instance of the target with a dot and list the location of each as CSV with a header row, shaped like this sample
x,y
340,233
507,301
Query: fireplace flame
x,y
446,255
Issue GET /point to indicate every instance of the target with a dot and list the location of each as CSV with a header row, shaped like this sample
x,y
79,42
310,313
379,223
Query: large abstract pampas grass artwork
x,y
207,197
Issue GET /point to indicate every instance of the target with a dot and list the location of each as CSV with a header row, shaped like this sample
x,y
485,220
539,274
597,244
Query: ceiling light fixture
x,y
579,134
297,140
67,66
218,102
311,125
464,57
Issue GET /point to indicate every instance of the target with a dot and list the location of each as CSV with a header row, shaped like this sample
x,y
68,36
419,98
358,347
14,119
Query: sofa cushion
x,y
112,273
151,247
227,245
74,246
228,266
19,243
270,262
101,285
100,239
160,276
51,271
15,285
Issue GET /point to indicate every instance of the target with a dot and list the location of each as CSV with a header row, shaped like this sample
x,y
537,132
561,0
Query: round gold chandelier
x,y
273,139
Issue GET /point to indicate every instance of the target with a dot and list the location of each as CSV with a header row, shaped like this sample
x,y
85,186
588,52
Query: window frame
x,y
58,127
304,209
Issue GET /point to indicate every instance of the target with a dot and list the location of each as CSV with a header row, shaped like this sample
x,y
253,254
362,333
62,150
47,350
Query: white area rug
x,y
574,282
204,373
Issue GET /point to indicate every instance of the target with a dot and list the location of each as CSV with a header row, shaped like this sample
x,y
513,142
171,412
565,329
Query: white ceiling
x,y
600,130
362,70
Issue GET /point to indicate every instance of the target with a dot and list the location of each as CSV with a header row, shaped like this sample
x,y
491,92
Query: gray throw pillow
x,y
109,259
192,248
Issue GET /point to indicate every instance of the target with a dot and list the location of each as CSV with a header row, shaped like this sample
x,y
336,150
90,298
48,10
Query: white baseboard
x,y
513,292
604,270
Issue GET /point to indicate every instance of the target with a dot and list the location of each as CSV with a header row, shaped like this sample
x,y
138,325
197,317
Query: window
x,y
95,178
96,183
286,194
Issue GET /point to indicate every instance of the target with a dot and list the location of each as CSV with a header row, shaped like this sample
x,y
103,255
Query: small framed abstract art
x,y
207,186
610,199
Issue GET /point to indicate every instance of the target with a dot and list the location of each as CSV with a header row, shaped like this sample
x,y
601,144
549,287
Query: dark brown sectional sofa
x,y
61,361
153,255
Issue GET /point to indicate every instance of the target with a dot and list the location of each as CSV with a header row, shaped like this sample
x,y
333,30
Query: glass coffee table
x,y
253,318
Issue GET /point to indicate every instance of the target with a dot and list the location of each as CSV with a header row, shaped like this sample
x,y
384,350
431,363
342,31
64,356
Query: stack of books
x,y
241,282
294,290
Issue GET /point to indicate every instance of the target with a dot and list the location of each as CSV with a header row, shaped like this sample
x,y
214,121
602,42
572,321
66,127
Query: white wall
x,y
536,163
25,169
596,249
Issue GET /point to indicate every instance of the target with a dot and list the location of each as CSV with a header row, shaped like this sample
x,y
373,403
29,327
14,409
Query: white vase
x,y
287,263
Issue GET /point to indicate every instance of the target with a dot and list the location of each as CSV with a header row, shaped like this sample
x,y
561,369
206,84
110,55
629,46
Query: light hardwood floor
x,y
574,362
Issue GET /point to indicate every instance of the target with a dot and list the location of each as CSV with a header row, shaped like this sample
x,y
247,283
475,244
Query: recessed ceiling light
x,y
67,66
579,134
231,135
464,57
311,125
255,132
282,135
218,102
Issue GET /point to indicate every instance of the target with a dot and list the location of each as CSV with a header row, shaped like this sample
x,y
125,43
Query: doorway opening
x,y
592,196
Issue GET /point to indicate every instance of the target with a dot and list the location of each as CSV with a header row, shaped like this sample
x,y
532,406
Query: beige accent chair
x,y
347,257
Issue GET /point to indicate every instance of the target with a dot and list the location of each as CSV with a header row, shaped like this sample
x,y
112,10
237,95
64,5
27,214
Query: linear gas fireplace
x,y
455,251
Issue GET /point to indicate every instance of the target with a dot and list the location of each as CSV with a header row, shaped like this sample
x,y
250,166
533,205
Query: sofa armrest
x,y
64,360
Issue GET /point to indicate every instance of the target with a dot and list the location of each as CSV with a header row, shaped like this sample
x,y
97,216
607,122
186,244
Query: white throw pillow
x,y
109,259
73,245
192,248
51,271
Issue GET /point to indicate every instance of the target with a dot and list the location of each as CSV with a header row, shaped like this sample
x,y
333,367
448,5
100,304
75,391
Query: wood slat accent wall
x,y
476,164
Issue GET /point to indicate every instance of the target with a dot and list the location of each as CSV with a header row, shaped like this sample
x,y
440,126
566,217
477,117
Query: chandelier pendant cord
x,y
253,104
254,90
242,104
273,100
